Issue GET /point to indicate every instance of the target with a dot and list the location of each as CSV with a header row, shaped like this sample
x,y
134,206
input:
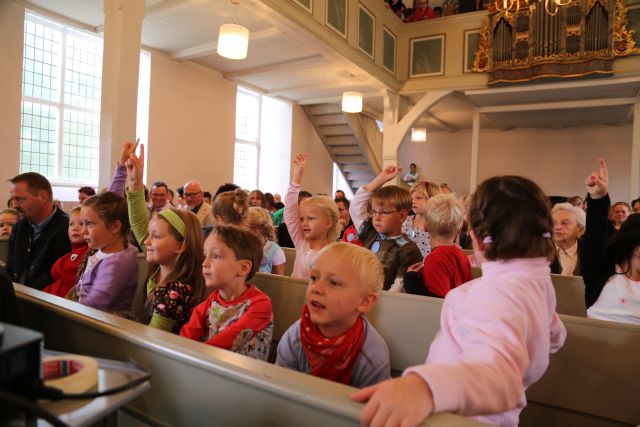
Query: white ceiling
x,y
285,60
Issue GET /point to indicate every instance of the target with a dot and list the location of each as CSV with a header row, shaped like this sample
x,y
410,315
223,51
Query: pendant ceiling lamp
x,y
233,39
352,102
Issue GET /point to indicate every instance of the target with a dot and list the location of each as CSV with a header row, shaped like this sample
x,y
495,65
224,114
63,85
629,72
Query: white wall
x,y
319,175
11,34
557,159
191,124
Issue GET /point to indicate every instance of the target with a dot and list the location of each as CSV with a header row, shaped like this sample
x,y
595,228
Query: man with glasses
x,y
194,198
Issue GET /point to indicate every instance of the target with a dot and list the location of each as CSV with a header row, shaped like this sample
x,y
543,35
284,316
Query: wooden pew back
x,y
193,383
592,381
290,257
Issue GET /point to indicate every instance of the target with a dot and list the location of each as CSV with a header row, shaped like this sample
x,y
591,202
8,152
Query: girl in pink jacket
x,y
496,332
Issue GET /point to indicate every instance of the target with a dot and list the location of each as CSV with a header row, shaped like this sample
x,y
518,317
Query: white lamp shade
x,y
352,102
418,135
233,41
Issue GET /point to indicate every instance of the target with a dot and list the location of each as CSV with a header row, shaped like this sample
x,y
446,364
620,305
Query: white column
x,y
634,188
475,141
121,61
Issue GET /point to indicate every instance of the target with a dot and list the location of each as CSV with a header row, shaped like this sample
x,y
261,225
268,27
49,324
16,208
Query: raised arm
x,y
291,211
119,177
595,272
138,216
359,204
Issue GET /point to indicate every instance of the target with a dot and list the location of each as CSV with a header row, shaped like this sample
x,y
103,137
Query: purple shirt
x,y
111,283
496,333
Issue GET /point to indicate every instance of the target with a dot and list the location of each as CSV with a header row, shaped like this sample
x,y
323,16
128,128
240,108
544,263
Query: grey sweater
x,y
371,367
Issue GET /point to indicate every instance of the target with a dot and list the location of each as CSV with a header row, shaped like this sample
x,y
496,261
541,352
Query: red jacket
x,y
65,271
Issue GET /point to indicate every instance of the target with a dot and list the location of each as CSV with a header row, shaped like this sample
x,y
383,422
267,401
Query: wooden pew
x,y
193,383
592,381
569,293
290,256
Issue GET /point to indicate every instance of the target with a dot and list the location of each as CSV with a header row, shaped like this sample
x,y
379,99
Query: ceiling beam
x,y
290,65
448,126
319,86
338,99
170,6
561,105
210,48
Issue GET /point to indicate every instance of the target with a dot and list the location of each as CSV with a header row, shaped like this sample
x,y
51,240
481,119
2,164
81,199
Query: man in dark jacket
x,y
40,237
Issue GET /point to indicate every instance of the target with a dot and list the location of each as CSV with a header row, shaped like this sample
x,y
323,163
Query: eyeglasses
x,y
192,194
383,214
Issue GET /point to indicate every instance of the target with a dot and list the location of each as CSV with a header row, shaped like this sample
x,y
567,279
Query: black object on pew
x,y
8,310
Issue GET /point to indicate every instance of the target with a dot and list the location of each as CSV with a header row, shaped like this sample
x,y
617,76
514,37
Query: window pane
x,y
42,60
83,71
247,116
80,146
245,166
38,138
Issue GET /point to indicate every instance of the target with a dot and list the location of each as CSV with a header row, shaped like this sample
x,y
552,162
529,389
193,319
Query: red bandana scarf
x,y
331,358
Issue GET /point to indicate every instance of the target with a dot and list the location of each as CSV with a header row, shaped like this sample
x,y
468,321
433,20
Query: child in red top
x,y
447,266
65,271
236,316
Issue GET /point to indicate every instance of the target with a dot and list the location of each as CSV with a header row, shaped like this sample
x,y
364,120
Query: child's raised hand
x,y
598,182
127,149
404,401
135,169
390,172
299,163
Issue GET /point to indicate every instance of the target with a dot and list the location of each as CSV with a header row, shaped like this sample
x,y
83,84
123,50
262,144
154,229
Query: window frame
x,y
60,105
243,141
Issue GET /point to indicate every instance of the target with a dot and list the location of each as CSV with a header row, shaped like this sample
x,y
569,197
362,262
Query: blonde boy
x,y
446,266
237,316
382,232
333,339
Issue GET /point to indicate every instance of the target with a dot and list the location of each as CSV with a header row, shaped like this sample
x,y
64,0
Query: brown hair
x,y
260,194
10,211
35,182
512,215
232,206
443,216
244,244
188,268
392,195
110,208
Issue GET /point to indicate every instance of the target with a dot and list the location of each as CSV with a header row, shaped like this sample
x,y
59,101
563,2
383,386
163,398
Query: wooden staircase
x,y
348,140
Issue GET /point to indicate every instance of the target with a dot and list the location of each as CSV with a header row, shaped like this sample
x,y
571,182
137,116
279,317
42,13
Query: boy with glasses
x,y
381,232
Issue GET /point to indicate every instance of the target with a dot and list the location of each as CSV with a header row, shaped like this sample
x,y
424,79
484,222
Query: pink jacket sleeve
x,y
492,340
292,214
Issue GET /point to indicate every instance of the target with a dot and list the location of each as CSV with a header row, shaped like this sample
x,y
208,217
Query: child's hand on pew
x,y
404,401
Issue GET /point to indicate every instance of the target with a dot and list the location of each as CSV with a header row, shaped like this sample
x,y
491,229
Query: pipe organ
x,y
539,39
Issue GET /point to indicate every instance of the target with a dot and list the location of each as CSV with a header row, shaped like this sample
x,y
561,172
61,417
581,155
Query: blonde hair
x,y
443,216
365,263
427,188
260,220
232,206
397,197
327,204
